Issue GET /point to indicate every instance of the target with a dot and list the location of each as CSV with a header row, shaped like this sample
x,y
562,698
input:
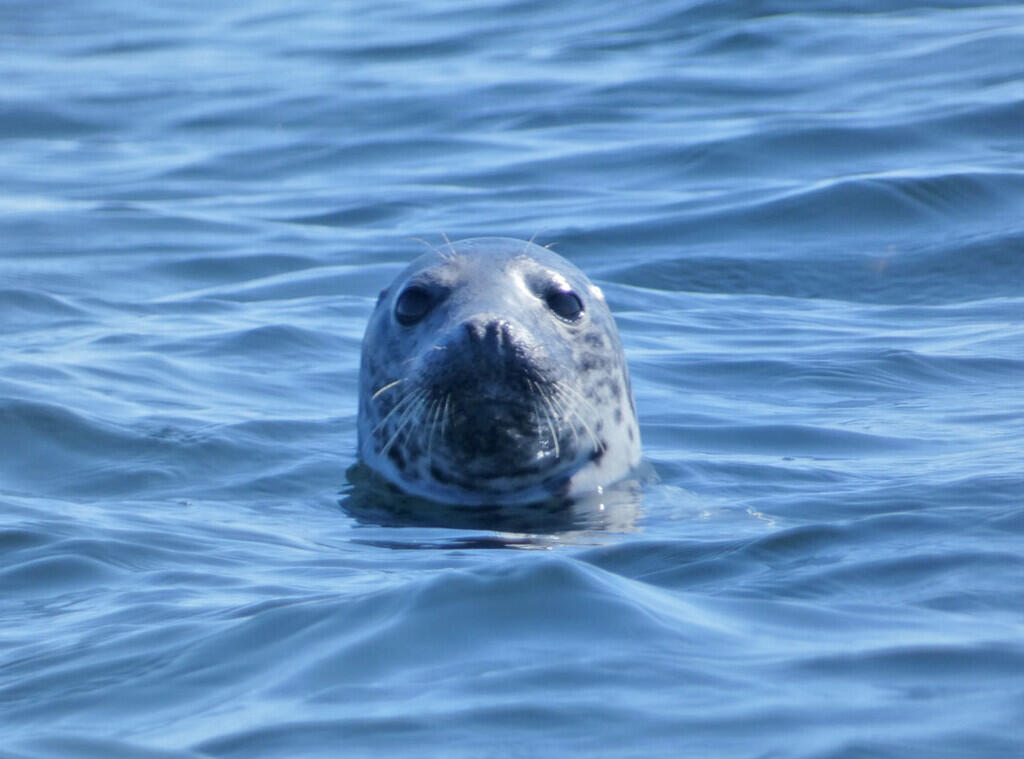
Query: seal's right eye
x,y
412,305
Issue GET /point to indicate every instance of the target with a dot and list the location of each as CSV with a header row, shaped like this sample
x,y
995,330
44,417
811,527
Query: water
x,y
808,222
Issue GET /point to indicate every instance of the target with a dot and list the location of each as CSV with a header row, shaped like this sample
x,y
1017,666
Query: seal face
x,y
492,372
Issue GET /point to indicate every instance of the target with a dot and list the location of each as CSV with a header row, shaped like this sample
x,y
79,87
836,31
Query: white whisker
x,y
558,405
386,387
432,248
580,400
450,246
433,414
549,416
444,416
407,416
402,402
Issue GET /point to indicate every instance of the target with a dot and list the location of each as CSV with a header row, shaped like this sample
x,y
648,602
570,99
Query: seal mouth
x,y
488,394
504,434
498,437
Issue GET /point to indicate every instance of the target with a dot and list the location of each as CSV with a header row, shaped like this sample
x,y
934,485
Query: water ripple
x,y
806,219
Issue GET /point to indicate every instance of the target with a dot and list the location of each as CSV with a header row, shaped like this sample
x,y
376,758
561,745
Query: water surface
x,y
807,219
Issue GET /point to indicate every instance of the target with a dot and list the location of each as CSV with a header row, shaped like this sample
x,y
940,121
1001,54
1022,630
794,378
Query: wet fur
x,y
492,398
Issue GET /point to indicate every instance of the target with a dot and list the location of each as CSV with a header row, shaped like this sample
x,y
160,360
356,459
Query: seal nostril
x,y
494,334
475,331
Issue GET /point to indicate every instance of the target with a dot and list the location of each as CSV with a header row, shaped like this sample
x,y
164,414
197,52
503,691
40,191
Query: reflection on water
x,y
617,509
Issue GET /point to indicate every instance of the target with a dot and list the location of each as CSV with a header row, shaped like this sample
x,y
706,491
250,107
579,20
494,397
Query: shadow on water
x,y
371,501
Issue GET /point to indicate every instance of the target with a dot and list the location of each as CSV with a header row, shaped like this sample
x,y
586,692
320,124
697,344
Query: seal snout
x,y
493,342
487,371
487,332
495,355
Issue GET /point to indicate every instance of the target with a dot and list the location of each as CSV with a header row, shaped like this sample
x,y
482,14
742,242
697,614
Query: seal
x,y
492,373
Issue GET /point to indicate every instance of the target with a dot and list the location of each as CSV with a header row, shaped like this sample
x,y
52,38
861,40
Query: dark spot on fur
x,y
396,458
632,436
618,416
597,454
591,361
594,338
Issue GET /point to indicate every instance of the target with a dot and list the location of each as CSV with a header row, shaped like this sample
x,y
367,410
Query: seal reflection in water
x,y
492,373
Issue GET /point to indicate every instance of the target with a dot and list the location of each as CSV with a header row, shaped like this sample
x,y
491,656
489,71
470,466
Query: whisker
x,y
580,400
444,416
537,234
558,405
407,417
386,387
548,416
402,402
450,246
578,396
420,239
434,414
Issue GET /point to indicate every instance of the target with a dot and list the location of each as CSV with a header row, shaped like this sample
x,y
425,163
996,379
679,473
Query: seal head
x,y
492,372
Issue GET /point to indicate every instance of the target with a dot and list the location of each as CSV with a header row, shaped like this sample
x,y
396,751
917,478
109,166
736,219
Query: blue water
x,y
809,221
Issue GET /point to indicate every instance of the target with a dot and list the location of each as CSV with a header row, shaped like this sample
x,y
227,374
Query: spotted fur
x,y
476,386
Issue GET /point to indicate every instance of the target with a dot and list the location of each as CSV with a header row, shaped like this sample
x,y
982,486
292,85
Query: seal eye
x,y
412,305
565,303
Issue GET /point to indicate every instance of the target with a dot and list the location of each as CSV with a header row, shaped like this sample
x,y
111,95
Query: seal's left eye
x,y
565,303
412,305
